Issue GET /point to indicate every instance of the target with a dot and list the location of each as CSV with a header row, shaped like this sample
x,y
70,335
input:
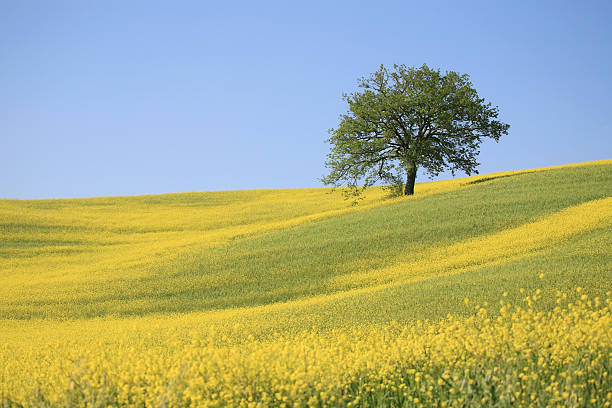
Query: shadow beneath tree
x,y
485,179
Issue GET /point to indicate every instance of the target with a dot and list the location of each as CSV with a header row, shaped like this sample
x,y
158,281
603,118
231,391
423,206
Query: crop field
x,y
487,291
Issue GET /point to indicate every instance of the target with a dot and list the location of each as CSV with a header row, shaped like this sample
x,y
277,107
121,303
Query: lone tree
x,y
406,119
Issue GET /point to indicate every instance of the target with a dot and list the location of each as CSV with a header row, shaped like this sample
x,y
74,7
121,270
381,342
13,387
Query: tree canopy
x,y
406,119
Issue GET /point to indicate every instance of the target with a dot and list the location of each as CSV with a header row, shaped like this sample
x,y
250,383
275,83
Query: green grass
x,y
298,262
241,297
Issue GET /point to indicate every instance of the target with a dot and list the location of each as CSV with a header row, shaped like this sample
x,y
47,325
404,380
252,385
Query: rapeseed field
x,y
484,291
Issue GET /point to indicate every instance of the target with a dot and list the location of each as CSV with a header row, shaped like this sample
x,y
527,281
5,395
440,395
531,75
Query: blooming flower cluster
x,y
507,356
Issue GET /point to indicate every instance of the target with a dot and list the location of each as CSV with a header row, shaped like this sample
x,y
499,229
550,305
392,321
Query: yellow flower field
x,y
522,357
489,291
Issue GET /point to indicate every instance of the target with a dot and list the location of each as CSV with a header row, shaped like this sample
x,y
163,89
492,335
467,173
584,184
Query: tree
x,y
408,119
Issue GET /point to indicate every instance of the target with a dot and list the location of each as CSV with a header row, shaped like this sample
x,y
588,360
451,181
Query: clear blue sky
x,y
122,98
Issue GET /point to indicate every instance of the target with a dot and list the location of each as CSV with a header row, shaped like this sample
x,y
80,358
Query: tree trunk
x,y
410,179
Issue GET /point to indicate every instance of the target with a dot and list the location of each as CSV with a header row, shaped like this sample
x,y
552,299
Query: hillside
x,y
237,271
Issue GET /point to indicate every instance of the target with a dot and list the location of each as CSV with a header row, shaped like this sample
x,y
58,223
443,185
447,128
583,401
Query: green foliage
x,y
408,119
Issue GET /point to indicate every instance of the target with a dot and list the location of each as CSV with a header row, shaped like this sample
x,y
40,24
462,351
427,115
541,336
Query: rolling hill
x,y
295,297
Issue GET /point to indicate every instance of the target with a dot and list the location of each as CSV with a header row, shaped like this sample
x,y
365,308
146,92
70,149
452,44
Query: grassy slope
x,y
196,252
302,265
163,293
